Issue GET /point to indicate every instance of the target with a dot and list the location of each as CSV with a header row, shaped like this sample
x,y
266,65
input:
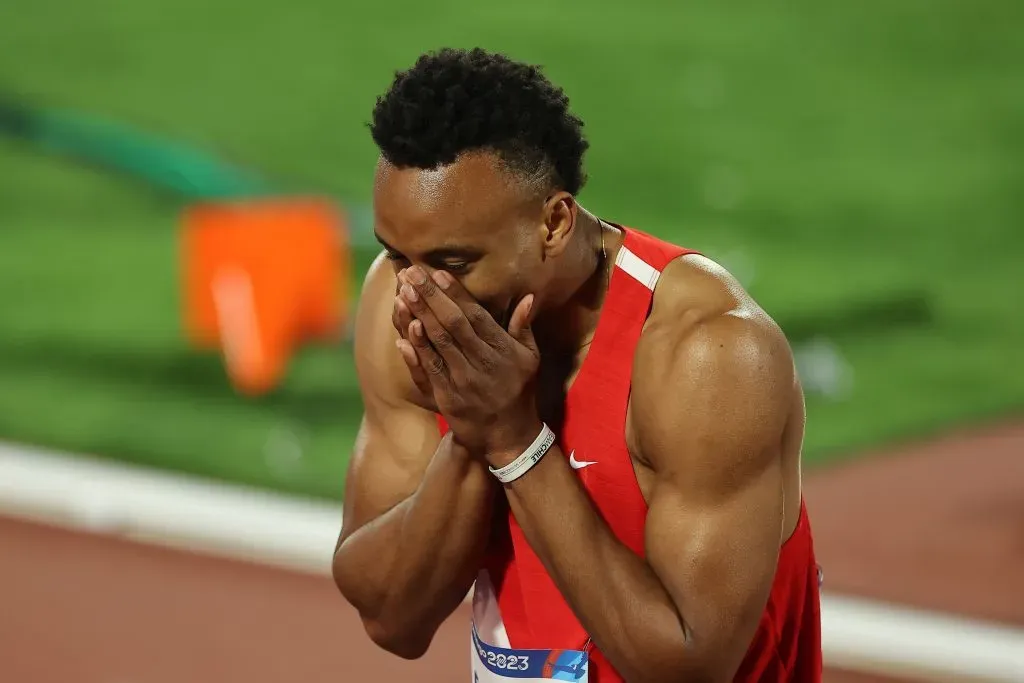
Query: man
x,y
617,459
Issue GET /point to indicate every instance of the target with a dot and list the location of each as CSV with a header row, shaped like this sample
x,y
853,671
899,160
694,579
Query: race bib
x,y
492,664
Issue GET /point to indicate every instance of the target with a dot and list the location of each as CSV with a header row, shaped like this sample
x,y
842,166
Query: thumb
x,y
519,325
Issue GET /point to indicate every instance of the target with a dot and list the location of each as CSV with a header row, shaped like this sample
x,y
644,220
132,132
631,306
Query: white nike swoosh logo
x,y
579,464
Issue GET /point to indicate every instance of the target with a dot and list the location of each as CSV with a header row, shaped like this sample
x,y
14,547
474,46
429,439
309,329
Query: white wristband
x,y
530,457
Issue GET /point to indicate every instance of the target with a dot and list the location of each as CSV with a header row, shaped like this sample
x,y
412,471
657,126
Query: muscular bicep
x,y
716,516
396,437
716,554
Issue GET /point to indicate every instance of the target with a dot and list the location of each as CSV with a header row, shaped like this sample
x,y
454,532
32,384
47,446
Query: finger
x,y
401,317
520,324
482,322
412,362
433,365
449,336
454,309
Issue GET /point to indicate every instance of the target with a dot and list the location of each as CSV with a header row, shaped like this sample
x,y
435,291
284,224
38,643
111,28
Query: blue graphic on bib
x,y
553,665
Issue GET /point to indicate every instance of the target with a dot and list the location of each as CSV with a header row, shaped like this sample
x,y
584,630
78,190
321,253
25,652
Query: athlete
x,y
600,429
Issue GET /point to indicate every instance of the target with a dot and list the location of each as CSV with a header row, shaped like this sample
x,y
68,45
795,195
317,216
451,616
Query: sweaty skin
x,y
714,428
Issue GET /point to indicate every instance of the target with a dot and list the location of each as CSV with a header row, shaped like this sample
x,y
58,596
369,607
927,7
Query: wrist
x,y
510,442
464,454
529,457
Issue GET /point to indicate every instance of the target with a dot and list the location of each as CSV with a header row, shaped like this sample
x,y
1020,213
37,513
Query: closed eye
x,y
455,267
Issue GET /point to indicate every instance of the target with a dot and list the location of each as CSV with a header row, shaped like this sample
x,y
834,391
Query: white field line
x,y
299,534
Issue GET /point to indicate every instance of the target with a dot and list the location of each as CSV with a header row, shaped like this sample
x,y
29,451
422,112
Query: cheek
x,y
493,290
488,289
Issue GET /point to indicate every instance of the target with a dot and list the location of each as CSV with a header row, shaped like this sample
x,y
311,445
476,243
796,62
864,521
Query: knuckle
x,y
435,366
443,339
500,346
428,288
454,321
477,316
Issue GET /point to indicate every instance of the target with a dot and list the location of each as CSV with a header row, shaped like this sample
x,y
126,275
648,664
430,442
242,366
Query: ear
x,y
559,218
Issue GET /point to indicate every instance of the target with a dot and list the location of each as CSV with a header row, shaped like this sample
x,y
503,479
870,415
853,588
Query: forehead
x,y
467,200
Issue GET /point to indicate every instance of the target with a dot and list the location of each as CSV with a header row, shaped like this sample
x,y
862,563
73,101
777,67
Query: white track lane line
x,y
90,494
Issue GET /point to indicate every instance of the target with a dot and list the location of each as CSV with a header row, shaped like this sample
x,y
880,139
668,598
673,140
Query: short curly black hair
x,y
454,101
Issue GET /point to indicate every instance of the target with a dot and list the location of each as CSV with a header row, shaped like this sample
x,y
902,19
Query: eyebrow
x,y
451,251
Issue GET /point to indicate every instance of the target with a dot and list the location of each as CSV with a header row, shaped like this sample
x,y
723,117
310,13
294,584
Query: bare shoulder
x,y
382,374
711,364
698,301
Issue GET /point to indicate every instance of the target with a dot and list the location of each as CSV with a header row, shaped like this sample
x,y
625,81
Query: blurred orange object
x,y
260,278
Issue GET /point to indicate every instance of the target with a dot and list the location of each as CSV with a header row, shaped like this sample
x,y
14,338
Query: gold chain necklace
x,y
603,265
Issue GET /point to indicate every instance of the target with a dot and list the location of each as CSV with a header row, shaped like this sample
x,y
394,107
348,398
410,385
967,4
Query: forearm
x,y
614,593
408,569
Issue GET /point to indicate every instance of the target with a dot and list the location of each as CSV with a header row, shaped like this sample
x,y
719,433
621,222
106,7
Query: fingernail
x,y
416,275
442,278
409,293
529,306
417,329
400,304
398,344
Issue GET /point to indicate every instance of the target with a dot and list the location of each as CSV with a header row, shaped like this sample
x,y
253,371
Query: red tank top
x,y
530,608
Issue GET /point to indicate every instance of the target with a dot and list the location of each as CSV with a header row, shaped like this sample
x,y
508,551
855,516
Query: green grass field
x,y
832,153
